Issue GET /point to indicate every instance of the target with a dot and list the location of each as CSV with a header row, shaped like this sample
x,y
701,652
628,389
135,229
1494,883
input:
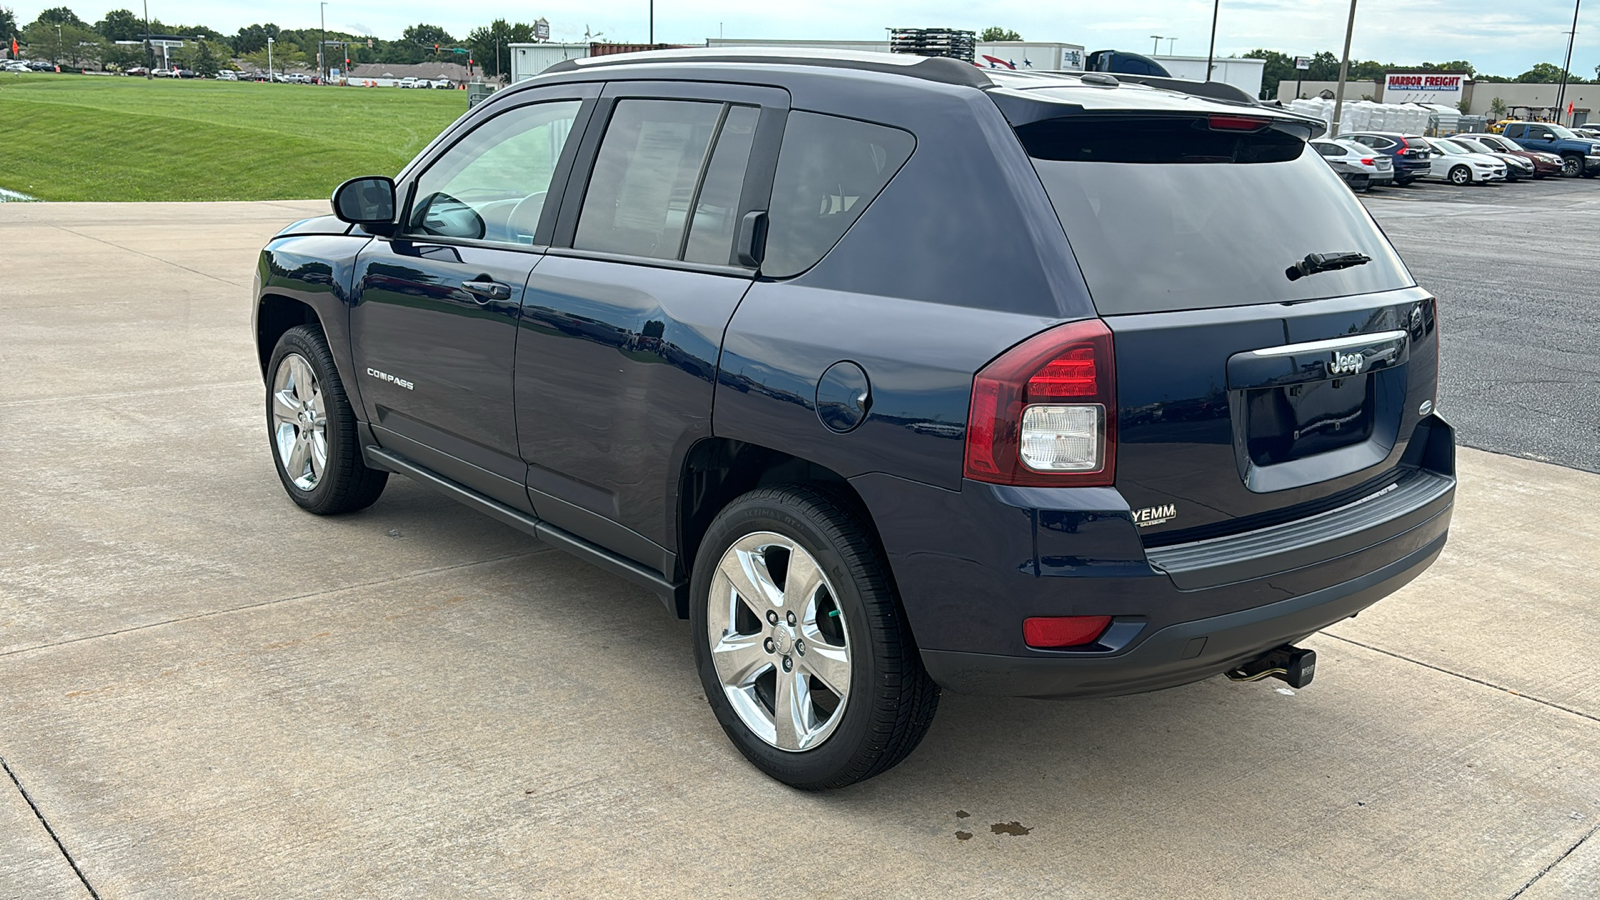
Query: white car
x,y
1458,166
408,82
1516,166
227,75
1360,166
441,84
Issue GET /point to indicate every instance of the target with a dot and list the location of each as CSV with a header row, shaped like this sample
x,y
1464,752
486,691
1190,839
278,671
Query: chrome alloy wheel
x,y
299,422
778,641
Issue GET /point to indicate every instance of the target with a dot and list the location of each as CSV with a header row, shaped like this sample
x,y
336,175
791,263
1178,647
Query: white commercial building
x,y
1244,74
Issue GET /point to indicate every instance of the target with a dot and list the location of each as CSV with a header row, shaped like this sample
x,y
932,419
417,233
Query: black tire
x,y
345,484
1571,166
891,700
1460,175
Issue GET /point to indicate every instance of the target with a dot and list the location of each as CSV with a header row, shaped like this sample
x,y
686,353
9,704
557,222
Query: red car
x,y
1543,163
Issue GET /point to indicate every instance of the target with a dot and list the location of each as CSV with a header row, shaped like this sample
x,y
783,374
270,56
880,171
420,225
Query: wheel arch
x,y
276,314
717,470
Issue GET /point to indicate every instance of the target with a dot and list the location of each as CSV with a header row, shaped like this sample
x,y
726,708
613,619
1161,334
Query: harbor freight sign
x,y
1422,87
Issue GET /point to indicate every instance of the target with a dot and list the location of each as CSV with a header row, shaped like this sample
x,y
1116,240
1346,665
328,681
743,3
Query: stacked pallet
x,y
949,42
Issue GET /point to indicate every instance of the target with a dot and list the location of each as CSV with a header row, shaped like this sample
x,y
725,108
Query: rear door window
x,y
829,170
1170,213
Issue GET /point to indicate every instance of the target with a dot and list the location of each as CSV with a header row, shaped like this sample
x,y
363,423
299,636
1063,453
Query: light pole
x,y
1156,47
652,24
322,73
1344,70
1566,67
1170,42
1216,7
270,42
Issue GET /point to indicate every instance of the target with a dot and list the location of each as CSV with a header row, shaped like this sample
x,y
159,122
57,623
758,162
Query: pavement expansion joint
x,y
1553,863
38,814
249,606
90,237
1464,677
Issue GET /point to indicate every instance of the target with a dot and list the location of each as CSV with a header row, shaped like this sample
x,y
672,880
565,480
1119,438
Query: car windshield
x,y
1561,131
1452,149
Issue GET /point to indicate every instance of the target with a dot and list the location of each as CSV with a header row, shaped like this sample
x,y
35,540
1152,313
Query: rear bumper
x,y
972,565
1182,653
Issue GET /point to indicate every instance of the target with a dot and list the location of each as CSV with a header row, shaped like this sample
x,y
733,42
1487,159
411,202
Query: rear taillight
x,y
1236,123
1368,162
1044,413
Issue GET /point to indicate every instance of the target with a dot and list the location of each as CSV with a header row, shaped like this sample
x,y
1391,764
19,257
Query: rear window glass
x,y
1167,214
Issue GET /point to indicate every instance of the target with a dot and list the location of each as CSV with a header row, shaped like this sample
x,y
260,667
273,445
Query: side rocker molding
x,y
674,594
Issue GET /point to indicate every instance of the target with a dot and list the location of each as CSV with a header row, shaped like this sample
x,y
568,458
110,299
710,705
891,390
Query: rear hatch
x,y
1254,386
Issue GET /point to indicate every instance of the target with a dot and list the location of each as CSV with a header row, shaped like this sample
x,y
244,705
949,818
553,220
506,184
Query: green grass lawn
x,y
76,137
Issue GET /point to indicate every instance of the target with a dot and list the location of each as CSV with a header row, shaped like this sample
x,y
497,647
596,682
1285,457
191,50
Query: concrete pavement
x,y
207,693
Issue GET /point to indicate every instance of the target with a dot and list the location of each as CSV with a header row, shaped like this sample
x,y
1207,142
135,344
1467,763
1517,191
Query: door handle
x,y
484,290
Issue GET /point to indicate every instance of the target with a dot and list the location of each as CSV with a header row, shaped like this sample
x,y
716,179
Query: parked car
x,y
1516,166
1460,167
227,75
1578,156
1360,166
408,82
137,71
441,84
1586,133
967,432
1543,163
1409,153
15,65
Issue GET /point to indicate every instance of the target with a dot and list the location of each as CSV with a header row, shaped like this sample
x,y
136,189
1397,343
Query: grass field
x,y
75,137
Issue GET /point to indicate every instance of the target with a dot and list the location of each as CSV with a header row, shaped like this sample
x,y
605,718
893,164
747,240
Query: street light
x,y
1216,7
322,73
1170,42
270,42
1156,47
1344,70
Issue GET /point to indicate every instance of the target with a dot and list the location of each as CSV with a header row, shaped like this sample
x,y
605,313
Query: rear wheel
x,y
312,429
802,648
1460,175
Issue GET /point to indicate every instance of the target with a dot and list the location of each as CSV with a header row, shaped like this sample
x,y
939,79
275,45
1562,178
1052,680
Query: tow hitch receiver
x,y
1294,665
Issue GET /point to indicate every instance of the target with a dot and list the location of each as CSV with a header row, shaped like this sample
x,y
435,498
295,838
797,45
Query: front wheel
x,y
1460,175
1571,166
801,645
312,429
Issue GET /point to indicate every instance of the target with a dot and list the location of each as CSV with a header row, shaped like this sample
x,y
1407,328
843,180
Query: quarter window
x,y
493,183
829,170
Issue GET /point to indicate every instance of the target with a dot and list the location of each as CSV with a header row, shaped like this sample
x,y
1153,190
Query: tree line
x,y
61,37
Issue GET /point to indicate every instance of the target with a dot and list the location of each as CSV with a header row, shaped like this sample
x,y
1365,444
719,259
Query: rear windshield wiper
x,y
1325,262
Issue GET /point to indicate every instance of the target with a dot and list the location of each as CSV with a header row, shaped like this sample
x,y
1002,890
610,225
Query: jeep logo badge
x,y
1347,363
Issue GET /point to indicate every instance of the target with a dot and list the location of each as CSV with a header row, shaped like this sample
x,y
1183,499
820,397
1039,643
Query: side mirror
x,y
368,202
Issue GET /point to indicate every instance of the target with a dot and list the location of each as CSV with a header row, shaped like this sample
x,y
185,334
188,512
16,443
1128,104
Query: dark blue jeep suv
x,y
888,373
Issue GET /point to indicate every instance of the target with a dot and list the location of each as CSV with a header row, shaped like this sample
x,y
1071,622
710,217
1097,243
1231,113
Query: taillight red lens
x,y
1368,162
1237,123
1044,412
1055,632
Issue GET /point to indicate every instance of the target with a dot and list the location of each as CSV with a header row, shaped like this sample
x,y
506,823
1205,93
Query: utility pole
x,y
1216,6
149,54
652,24
1566,67
270,42
1344,70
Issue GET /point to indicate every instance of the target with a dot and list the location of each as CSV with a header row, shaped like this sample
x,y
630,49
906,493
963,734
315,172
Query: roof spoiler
x,y
1211,90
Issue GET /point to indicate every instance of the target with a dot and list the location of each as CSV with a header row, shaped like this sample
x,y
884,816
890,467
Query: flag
x,y
1569,107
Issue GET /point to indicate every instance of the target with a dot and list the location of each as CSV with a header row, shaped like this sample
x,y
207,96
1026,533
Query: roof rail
x,y
927,68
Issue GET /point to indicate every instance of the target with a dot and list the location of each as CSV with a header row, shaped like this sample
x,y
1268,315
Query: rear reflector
x,y
1056,632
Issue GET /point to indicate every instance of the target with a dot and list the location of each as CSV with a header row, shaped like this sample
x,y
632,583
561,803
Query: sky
x,y
1498,37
